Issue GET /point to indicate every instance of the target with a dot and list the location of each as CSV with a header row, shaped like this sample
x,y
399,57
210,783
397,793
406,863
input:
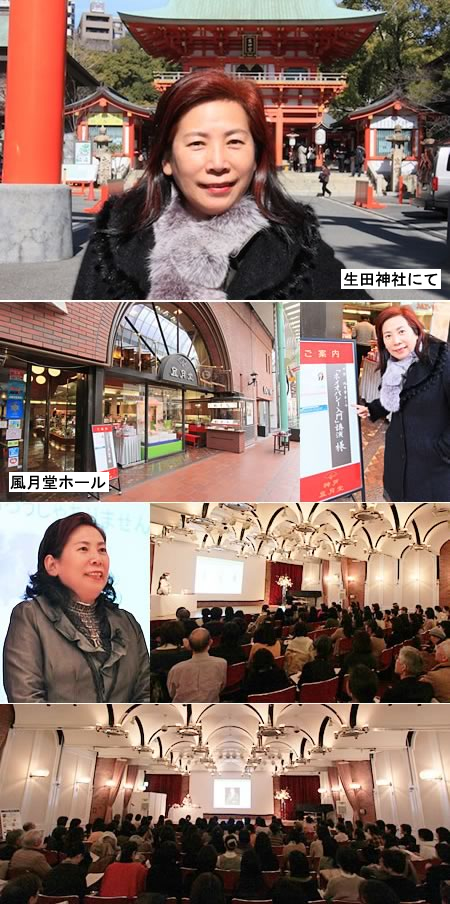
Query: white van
x,y
436,195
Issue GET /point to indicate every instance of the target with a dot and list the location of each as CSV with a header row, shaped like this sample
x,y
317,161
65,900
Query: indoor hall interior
x,y
340,790
324,587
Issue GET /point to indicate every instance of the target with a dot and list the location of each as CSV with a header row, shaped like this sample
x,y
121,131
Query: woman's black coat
x,y
417,452
277,262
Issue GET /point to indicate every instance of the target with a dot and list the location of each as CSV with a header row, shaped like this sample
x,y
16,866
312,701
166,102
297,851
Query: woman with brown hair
x,y
415,395
209,219
68,640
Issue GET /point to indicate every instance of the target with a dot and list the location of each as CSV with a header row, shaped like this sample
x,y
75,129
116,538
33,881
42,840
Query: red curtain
x,y
276,803
304,789
175,786
360,799
132,773
106,769
278,570
117,776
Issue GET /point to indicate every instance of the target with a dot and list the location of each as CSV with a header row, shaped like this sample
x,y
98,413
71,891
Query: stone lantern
x,y
397,155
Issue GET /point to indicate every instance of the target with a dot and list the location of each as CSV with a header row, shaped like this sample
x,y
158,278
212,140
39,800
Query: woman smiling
x,y
415,395
68,640
209,219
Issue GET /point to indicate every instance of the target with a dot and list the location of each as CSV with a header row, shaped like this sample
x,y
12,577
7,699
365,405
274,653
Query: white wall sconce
x,y
40,773
82,781
110,783
322,790
383,782
336,790
430,775
355,786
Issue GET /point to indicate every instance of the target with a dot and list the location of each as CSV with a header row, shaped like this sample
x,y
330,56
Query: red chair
x,y
271,877
56,899
286,630
285,695
235,674
246,648
385,659
319,691
93,899
421,867
279,661
52,857
344,646
230,878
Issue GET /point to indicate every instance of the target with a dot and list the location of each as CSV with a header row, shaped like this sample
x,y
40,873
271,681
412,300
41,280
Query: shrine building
x,y
128,124
290,47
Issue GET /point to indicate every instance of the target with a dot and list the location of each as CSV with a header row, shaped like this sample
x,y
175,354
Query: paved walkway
x,y
257,475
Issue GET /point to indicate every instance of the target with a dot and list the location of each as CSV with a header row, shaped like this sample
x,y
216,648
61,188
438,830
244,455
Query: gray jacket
x,y
47,660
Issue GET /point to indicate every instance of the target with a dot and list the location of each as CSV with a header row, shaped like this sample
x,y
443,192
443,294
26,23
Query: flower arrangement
x,y
283,794
284,581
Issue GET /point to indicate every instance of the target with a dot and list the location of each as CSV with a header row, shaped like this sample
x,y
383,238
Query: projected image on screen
x,y
234,794
222,576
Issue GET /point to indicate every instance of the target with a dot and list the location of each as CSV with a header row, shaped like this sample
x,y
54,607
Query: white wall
x,y
311,576
41,800
381,583
201,790
179,559
418,579
334,585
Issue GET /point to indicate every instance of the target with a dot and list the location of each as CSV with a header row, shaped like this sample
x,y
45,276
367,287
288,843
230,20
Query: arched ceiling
x,y
221,737
304,531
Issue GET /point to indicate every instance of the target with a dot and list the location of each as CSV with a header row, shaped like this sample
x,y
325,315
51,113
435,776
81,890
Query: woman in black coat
x,y
415,392
209,220
68,641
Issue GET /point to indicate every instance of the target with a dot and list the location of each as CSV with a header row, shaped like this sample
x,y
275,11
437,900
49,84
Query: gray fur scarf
x,y
190,258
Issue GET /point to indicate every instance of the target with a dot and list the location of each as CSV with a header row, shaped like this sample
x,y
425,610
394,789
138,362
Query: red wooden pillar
x,y
279,137
367,141
34,113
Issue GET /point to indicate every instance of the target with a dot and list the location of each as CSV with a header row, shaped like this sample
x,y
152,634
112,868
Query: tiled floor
x,y
257,475
373,435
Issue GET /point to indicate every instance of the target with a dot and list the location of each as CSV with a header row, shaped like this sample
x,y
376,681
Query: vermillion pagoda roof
x,y
396,98
112,100
275,12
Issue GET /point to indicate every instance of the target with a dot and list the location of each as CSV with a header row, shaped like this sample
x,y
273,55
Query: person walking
x,y
324,178
302,152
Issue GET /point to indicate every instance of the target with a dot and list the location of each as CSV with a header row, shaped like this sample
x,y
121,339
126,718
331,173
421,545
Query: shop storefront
x,y
173,379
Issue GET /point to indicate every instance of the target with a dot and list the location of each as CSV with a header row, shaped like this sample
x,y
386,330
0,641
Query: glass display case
x,y
232,424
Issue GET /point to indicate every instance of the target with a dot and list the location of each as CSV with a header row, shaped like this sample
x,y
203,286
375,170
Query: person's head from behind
x,y
207,859
62,821
372,891
324,648
216,613
300,629
75,851
263,848
207,889
14,838
405,829
23,890
409,663
399,333
363,684
165,856
32,839
251,866
442,652
229,613
182,613
199,640
426,835
394,861
262,661
347,859
361,642
284,892
128,852
298,865
265,634
73,563
244,837
230,634
171,632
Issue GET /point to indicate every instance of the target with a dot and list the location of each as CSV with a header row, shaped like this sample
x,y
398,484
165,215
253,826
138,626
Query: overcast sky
x,y
115,6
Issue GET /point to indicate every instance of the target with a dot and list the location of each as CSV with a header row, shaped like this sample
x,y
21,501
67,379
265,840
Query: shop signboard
x,y
14,409
13,455
14,433
15,374
10,820
104,449
320,136
83,152
16,388
331,455
177,369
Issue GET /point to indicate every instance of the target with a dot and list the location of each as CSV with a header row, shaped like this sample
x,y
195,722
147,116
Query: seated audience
x,y
232,857
321,668
439,676
251,885
206,863
345,886
371,891
361,653
164,874
268,861
362,684
427,848
438,873
300,879
207,889
201,678
230,647
187,623
67,878
394,863
299,649
296,842
265,638
409,689
29,858
263,675
171,649
126,877
23,890
11,844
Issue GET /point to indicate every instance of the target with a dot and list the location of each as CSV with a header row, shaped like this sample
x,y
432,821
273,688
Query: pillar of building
x,y
281,356
322,320
35,209
279,137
